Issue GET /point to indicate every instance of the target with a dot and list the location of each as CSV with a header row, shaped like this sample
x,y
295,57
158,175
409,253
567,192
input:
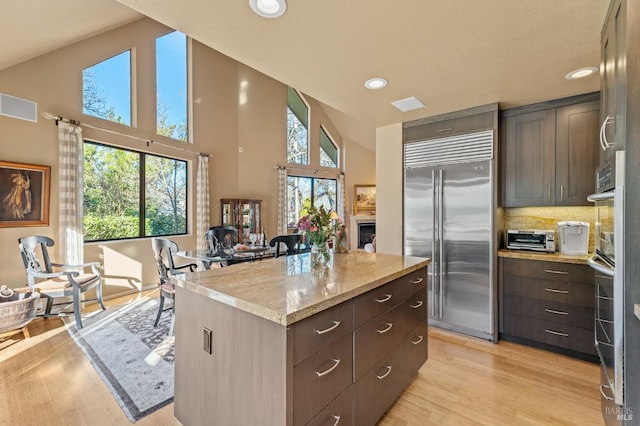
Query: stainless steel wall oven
x,y
608,263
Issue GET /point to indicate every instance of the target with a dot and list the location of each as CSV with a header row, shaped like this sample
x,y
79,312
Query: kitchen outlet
x,y
207,341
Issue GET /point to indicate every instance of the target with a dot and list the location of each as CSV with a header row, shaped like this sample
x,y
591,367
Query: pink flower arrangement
x,y
319,225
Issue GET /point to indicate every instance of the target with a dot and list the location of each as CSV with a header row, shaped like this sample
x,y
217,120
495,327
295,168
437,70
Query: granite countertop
x,y
286,289
549,257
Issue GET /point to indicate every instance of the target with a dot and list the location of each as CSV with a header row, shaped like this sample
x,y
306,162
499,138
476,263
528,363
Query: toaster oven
x,y
531,239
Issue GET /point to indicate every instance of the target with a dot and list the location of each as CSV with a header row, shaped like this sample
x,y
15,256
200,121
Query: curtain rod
x,y
307,171
58,118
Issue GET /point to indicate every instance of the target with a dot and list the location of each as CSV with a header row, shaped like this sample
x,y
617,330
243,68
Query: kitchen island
x,y
277,342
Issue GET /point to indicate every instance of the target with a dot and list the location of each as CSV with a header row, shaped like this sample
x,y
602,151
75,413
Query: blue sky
x,y
113,78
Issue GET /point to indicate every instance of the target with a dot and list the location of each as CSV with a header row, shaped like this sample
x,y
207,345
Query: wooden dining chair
x,y
68,281
292,241
163,251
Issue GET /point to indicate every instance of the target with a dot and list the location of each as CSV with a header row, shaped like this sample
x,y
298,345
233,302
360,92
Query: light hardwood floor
x,y
46,379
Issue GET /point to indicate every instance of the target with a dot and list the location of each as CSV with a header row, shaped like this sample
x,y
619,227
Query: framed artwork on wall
x,y
24,194
364,199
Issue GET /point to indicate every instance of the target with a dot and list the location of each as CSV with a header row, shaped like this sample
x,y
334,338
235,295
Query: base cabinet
x,y
548,303
345,365
371,364
389,345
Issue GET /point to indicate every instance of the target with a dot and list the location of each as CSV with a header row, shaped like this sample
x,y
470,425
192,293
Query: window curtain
x,y
340,202
71,162
282,201
202,202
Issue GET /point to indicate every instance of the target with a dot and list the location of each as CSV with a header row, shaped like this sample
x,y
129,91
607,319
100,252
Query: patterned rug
x,y
134,359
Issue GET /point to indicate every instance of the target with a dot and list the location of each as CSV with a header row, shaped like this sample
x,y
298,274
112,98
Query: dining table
x,y
228,256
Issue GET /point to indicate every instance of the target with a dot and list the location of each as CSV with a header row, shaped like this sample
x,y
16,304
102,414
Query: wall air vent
x,y
454,149
18,108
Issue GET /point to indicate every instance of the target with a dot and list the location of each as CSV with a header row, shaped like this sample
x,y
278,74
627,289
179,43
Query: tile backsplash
x,y
548,217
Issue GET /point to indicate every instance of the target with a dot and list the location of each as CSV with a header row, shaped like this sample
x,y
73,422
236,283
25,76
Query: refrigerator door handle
x,y
434,267
441,241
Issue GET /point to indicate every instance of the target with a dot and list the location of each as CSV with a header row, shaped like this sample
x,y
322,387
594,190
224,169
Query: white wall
x,y
389,189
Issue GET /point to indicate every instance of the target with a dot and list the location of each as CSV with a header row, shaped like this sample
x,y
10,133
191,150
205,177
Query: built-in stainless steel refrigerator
x,y
449,216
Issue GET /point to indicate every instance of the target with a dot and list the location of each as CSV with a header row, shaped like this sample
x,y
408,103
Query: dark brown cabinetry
x,y
550,152
355,370
390,346
452,124
549,304
612,81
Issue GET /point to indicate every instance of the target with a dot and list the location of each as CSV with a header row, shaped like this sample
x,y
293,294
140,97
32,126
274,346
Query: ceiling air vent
x,y
18,108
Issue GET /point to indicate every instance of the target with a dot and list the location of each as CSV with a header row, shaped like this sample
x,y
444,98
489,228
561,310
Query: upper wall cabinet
x,y
550,152
612,81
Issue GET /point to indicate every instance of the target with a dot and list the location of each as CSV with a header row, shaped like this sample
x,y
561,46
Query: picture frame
x,y
24,194
364,199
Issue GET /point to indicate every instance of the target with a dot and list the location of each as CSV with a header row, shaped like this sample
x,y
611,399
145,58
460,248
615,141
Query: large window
x,y
317,191
297,129
129,194
106,89
171,83
328,150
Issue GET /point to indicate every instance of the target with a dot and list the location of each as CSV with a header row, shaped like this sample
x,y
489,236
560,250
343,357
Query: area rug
x,y
134,359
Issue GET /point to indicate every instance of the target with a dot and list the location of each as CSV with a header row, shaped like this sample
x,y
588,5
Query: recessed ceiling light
x,y
375,83
268,8
582,72
408,104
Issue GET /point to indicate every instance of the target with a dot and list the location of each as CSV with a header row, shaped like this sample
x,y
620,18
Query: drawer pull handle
x,y
557,333
386,298
553,290
608,398
336,363
417,342
448,129
553,311
418,281
417,305
389,325
326,330
551,271
385,374
337,419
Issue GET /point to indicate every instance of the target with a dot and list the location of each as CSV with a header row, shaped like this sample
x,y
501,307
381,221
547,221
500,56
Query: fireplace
x,y
356,234
366,232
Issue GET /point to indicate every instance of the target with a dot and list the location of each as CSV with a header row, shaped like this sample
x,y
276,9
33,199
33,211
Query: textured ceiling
x,y
452,54
29,28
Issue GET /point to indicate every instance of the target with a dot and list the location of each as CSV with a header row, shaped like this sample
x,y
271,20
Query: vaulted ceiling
x,y
452,54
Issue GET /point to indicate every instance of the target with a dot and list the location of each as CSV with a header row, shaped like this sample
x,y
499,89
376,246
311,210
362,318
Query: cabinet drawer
x,y
555,271
378,389
416,350
579,316
412,282
378,337
317,331
551,333
552,291
375,302
416,309
320,378
339,412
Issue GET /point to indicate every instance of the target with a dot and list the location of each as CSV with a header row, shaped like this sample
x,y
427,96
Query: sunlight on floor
x,y
42,329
